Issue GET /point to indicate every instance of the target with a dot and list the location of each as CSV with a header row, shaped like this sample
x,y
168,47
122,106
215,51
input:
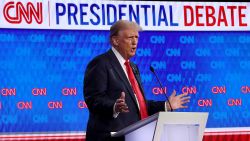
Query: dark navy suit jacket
x,y
103,83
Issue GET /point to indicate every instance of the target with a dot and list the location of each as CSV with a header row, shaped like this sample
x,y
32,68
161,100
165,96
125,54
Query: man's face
x,y
126,42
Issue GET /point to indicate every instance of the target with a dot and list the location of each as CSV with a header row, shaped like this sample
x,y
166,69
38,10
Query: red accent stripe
x,y
226,138
228,132
43,140
238,137
52,136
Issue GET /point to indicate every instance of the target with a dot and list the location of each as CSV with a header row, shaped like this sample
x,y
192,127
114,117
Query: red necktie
x,y
137,91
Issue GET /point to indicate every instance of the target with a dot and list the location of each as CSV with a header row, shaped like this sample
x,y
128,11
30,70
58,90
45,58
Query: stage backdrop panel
x,y
202,50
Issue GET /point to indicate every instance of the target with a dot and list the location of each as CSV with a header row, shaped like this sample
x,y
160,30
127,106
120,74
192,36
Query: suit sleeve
x,y
95,88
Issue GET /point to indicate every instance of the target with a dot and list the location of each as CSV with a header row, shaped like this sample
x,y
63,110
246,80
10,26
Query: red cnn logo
x,y
189,90
20,12
82,104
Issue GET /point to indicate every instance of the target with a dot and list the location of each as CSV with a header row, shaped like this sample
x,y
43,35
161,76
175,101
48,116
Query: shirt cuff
x,y
167,107
115,114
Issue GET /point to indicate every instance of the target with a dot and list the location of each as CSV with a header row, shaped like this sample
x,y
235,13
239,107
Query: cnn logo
x,y
15,12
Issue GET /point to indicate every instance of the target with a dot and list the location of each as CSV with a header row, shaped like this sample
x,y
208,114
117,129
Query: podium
x,y
167,126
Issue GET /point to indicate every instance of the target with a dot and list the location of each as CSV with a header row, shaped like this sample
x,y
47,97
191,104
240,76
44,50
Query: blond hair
x,y
123,25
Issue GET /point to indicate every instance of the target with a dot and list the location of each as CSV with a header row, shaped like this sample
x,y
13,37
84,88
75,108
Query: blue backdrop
x,y
213,67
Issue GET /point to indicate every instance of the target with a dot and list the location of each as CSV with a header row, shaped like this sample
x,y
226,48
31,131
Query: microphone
x,y
153,71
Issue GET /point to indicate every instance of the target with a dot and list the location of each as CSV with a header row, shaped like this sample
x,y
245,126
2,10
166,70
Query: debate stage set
x,y
198,48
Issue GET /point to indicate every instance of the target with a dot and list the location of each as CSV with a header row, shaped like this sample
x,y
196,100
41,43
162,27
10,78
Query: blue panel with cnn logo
x,y
42,75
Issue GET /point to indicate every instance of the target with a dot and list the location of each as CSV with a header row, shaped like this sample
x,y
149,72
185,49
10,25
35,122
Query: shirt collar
x,y
118,56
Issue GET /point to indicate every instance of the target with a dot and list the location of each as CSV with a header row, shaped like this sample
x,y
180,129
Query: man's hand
x,y
120,104
178,101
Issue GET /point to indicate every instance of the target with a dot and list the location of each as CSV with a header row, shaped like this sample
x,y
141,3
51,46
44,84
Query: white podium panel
x,y
181,118
180,132
167,126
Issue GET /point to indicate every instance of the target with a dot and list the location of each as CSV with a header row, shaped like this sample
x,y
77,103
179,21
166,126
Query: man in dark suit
x,y
113,89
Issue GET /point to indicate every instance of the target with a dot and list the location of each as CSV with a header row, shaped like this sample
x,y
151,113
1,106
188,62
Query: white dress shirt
x,y
122,61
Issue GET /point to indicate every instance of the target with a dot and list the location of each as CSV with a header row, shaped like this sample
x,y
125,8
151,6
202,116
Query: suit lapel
x,y
118,69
